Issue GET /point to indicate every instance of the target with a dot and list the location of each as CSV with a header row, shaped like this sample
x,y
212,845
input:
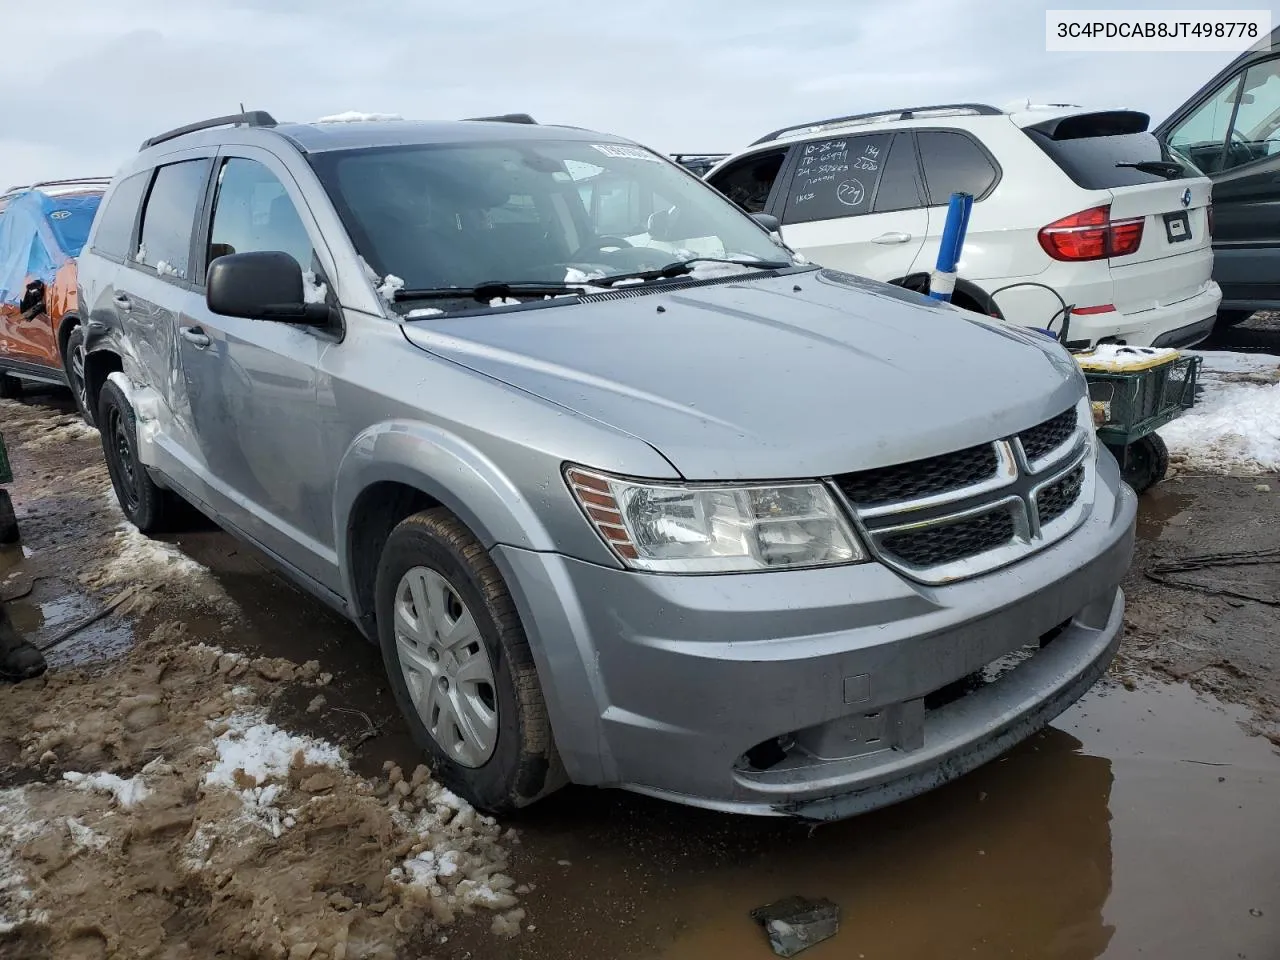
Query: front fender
x,y
443,466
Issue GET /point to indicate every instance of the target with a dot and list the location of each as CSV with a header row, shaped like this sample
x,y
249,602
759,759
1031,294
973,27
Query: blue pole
x,y
943,281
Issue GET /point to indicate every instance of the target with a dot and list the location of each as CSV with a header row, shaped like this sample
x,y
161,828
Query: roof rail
x,y
70,181
691,155
249,118
505,118
907,113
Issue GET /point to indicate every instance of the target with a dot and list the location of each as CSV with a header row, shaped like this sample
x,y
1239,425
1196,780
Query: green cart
x,y
1135,391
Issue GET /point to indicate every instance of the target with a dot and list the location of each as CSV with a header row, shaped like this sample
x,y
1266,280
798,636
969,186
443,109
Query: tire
x,y
73,361
10,387
509,759
1233,318
9,532
143,503
1146,463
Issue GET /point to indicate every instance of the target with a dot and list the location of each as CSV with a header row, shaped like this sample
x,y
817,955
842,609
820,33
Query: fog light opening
x,y
767,753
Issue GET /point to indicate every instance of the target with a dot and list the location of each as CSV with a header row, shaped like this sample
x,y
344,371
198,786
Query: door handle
x,y
123,302
892,237
196,337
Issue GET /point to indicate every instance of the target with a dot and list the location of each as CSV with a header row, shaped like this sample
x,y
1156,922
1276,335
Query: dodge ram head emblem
x,y
1186,197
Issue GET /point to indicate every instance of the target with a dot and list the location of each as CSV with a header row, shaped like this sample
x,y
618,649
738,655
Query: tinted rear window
x,y
115,227
1090,162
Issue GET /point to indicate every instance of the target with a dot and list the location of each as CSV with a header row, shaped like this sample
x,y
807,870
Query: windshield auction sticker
x,y
1174,31
621,151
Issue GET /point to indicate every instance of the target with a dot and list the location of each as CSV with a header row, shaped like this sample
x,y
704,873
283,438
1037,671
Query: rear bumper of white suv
x,y
1181,324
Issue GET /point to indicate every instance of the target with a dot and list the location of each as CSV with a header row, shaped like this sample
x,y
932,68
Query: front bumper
x,y
664,684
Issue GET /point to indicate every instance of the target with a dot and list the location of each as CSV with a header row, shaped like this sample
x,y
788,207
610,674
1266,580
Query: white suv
x,y
1087,203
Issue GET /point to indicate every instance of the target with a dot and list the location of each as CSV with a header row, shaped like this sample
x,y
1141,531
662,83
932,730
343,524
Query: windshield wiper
x,y
1169,169
680,268
492,290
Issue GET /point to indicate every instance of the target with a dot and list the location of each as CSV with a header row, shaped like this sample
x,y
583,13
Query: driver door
x,y
1233,135
251,385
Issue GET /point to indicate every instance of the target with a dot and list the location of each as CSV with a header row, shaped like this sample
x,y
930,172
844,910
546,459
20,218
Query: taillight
x,y
1208,216
1092,235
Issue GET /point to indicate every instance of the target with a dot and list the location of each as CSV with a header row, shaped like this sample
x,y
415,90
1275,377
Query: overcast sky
x,y
92,79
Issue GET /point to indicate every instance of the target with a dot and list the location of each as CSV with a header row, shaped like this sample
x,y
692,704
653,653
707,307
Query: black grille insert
x,y
936,545
1049,435
1056,499
920,478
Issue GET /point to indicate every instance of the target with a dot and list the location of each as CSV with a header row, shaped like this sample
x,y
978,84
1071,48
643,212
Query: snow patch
x,y
86,837
18,824
420,312
313,292
127,793
134,557
165,269
263,751
504,302
1234,428
253,758
355,116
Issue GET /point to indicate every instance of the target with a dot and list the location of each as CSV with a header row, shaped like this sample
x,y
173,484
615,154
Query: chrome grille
x,y
920,478
1056,499
1042,440
963,513
934,545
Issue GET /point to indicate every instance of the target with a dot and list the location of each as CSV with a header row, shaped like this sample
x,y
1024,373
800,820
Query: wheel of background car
x,y
460,665
1146,463
10,387
142,501
597,245
73,360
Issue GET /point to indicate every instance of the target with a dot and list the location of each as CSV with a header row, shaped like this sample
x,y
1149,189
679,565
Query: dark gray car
x,y
1230,128
628,493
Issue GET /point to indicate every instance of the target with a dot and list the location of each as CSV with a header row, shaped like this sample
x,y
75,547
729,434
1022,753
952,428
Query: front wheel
x,y
10,387
73,362
1146,462
460,666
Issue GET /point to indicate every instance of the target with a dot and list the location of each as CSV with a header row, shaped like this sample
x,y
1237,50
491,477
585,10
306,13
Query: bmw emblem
x,y
1186,197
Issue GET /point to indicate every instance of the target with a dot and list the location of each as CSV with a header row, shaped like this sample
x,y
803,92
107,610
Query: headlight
x,y
678,528
1087,413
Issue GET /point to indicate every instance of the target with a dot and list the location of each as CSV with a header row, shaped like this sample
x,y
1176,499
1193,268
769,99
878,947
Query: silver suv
x,y
629,494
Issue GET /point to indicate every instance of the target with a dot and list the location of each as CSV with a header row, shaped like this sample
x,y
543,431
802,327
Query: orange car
x,y
42,228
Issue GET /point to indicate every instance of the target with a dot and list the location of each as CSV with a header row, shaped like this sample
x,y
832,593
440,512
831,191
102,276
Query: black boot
x,y
19,660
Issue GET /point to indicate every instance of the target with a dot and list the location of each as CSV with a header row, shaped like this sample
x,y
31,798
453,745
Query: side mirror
x,y
263,285
768,221
32,303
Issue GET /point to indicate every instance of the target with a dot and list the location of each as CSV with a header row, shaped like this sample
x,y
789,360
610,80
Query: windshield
x,y
550,212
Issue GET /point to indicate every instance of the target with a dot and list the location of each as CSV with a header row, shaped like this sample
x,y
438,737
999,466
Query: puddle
x,y
1161,508
1142,822
42,616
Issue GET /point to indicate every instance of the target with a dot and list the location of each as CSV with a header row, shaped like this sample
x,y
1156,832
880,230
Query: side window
x,y
1257,124
169,217
115,228
953,163
252,212
1203,134
836,178
749,181
900,182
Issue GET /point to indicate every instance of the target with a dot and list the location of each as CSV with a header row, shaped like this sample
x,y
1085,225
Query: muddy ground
x,y
1142,823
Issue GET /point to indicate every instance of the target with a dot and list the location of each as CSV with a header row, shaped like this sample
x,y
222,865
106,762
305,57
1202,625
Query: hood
x,y
803,375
